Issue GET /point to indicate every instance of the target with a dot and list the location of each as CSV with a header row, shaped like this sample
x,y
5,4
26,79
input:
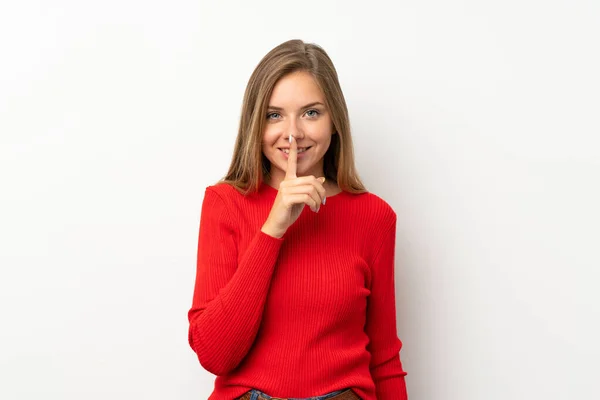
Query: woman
x,y
293,301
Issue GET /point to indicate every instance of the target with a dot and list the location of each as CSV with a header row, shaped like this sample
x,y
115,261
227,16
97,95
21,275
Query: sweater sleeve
x,y
229,297
384,344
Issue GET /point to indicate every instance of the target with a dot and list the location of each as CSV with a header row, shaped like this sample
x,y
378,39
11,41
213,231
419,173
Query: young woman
x,y
294,293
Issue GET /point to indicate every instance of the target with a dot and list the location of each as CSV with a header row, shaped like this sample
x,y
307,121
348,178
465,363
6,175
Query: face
x,y
297,108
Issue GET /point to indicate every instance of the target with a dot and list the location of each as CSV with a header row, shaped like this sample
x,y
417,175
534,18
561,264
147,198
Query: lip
x,y
299,155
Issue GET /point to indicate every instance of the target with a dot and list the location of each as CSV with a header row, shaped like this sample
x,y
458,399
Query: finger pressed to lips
x,y
292,159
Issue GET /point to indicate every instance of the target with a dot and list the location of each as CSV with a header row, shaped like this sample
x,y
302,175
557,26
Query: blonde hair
x,y
249,166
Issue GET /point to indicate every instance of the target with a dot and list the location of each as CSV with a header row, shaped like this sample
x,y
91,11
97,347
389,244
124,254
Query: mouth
x,y
301,150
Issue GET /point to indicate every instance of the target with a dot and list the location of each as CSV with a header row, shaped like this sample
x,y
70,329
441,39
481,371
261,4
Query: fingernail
x,y
324,199
318,209
322,179
290,139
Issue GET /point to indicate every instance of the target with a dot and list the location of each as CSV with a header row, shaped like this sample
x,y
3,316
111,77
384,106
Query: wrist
x,y
269,230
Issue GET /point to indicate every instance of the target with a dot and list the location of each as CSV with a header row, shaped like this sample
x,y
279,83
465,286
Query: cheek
x,y
320,133
320,129
269,137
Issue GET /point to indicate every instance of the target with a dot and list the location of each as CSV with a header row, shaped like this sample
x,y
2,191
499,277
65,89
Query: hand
x,y
294,193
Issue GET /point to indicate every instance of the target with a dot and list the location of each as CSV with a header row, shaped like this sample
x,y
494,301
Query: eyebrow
x,y
306,106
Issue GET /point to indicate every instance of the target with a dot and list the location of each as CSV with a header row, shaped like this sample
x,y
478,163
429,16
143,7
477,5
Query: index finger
x,y
292,161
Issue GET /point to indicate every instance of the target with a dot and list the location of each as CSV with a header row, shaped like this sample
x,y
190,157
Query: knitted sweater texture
x,y
303,315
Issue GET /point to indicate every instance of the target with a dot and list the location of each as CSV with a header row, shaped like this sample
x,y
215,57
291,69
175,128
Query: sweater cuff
x,y
263,251
392,389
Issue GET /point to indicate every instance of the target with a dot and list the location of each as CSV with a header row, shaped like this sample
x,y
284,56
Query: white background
x,y
476,120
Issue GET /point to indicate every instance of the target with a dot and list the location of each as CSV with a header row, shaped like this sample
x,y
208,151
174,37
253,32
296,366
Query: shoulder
x,y
380,229
219,207
223,190
379,211
221,198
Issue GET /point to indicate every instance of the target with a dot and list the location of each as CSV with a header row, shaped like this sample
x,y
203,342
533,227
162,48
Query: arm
x,y
229,298
384,344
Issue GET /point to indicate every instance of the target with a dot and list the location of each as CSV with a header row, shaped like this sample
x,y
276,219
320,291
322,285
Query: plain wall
x,y
476,120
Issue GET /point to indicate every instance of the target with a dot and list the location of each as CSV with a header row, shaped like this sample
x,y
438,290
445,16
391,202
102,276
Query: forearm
x,y
390,380
223,330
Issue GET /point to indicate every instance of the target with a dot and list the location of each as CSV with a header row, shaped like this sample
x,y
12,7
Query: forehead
x,y
296,89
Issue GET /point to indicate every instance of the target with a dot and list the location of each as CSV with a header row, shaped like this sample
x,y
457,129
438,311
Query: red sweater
x,y
304,315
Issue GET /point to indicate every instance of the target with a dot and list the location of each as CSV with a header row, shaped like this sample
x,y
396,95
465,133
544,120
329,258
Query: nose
x,y
293,129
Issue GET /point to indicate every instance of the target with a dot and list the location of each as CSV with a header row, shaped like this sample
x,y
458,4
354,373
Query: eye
x,y
271,114
314,111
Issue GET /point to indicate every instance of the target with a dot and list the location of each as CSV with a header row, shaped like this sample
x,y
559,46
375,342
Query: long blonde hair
x,y
249,165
